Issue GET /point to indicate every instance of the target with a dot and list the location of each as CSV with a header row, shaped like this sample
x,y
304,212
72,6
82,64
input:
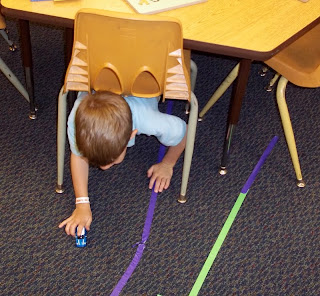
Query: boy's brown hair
x,y
103,127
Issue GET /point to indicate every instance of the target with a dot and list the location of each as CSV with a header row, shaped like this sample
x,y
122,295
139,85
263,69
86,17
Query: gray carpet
x,y
272,247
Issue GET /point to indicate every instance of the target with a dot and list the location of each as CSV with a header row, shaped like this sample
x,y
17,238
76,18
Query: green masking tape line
x,y
227,225
216,247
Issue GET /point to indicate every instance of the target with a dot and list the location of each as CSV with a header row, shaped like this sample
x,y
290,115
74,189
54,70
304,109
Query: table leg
x,y
27,63
234,110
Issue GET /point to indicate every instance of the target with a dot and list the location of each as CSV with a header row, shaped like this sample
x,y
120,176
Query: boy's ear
x,y
133,134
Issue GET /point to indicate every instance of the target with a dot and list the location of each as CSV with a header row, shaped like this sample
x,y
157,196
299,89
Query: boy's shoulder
x,y
80,97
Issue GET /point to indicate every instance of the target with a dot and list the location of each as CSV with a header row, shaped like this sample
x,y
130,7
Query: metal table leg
x,y
27,63
234,110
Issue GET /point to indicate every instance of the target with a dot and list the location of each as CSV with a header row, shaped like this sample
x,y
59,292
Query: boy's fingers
x,y
70,229
154,184
159,184
162,184
63,223
160,187
67,229
165,184
87,226
149,172
152,180
73,230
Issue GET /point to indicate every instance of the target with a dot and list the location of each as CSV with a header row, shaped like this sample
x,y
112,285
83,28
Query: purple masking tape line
x,y
169,107
148,222
259,165
124,279
146,229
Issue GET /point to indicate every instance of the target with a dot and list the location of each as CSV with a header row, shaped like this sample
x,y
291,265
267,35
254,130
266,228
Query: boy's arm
x,y
160,174
79,173
81,216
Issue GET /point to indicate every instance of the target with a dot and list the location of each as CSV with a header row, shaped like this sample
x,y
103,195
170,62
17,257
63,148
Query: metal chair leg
x,y
61,138
4,33
288,131
193,80
220,91
13,79
263,71
191,133
272,82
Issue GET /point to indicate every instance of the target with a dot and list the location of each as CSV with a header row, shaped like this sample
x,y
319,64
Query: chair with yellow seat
x,y
299,63
4,68
128,54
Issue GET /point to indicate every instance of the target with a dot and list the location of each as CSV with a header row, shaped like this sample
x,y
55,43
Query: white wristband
x,y
82,200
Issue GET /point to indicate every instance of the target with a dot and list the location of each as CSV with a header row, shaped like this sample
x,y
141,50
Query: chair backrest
x,y
128,54
300,61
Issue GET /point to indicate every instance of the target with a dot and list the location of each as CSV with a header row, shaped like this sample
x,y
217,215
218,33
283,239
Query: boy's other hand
x,y
81,217
160,176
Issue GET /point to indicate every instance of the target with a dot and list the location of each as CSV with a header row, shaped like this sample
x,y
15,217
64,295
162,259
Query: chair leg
x,y
191,133
288,131
5,36
193,80
220,91
269,87
13,79
193,74
61,138
263,71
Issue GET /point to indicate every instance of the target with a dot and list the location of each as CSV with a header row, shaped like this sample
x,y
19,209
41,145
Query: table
x,y
246,29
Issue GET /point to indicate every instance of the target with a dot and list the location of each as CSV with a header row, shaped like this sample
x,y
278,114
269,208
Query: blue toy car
x,y
81,241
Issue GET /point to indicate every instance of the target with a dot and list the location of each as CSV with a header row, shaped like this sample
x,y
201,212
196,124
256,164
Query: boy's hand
x,y
81,217
160,174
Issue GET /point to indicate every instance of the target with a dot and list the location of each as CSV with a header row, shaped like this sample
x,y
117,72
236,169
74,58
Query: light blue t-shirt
x,y
146,118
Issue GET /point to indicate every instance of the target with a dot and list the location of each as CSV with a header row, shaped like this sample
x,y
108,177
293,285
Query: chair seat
x,y
300,61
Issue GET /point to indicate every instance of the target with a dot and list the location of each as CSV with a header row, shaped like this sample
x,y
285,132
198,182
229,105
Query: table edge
x,y
188,44
37,17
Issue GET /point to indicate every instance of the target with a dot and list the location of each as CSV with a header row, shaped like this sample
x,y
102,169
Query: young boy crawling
x,y
100,128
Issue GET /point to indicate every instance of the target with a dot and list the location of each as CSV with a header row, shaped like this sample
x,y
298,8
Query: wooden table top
x,y
247,29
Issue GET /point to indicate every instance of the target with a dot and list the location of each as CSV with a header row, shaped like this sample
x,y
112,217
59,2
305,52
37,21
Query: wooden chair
x,y
128,54
299,64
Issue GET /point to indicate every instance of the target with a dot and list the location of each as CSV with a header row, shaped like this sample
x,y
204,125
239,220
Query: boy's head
x,y
103,128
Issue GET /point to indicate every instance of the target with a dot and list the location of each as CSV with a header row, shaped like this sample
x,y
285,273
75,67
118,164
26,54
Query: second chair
x,y
299,63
